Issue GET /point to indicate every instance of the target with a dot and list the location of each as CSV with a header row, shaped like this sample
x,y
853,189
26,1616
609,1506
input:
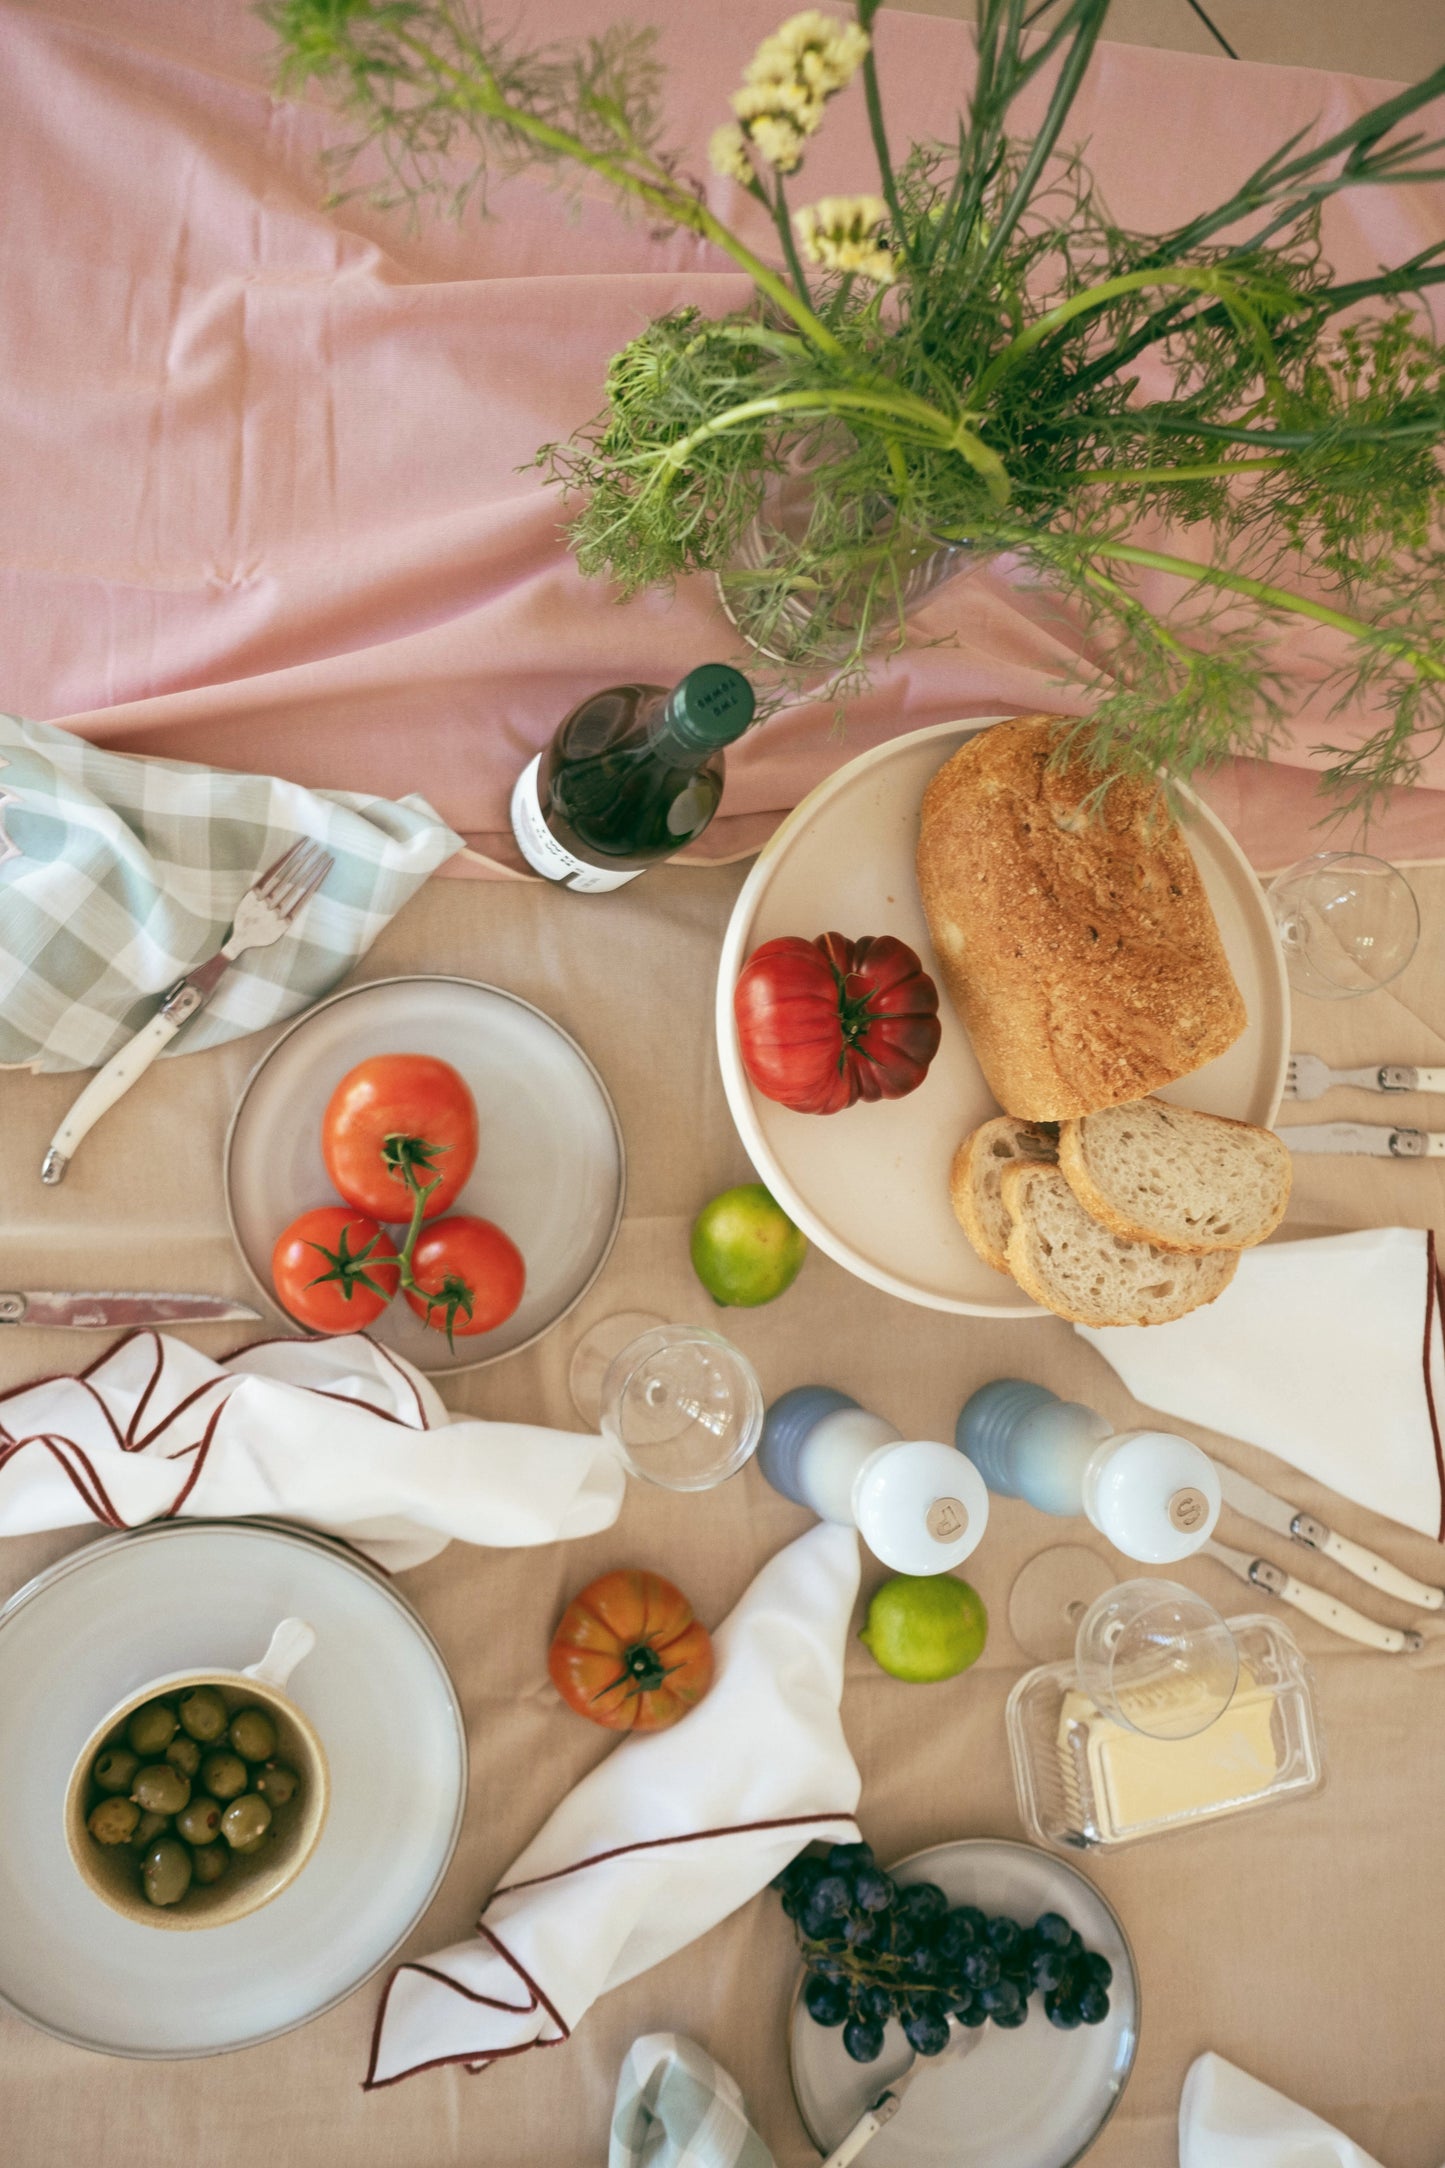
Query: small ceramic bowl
x,y
113,1871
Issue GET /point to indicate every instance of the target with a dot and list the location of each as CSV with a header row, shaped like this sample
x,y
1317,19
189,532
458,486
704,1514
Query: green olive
x,y
166,1872
245,1823
184,1754
115,1769
210,1862
152,1728
253,1734
203,1714
148,1828
200,1822
224,1775
113,1821
277,1783
160,1789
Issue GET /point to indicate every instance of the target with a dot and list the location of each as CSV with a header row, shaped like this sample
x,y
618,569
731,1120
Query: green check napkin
x,y
120,875
677,2108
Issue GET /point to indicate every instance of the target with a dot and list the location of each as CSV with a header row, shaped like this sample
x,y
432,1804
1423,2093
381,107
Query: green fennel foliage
x,y
992,394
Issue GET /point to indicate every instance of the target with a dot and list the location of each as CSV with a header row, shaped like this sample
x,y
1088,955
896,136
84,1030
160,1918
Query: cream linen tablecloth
x,y
1304,1945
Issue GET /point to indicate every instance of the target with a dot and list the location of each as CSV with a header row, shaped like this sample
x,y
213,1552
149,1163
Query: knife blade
x,y
1372,1137
107,1312
1304,1596
1258,1504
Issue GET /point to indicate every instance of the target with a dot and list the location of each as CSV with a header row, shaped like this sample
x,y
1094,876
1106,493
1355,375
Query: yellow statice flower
x,y
727,152
789,80
841,233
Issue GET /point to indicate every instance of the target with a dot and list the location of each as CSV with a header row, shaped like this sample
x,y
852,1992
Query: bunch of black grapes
x,y
876,1949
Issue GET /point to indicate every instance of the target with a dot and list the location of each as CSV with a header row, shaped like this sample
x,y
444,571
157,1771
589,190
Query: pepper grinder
x,y
920,1506
1153,1494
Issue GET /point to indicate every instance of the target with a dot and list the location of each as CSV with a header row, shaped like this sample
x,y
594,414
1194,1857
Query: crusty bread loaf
x,y
1076,941
975,1181
1069,1263
1185,1181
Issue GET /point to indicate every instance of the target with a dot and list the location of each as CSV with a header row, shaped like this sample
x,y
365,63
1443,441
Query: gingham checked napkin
x,y
677,2108
119,875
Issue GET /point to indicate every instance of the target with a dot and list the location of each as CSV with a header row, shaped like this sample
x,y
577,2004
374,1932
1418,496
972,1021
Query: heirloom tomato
x,y
629,1653
394,1117
469,1276
334,1270
824,1023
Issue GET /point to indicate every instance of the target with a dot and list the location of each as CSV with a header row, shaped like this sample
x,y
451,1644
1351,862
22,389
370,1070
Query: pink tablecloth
x,y
259,492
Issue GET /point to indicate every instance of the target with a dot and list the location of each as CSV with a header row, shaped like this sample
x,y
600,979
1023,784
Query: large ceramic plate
x,y
1031,2098
550,1167
870,1186
133,1607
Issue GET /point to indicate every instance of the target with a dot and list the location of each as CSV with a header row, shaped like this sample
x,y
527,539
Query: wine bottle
x,y
630,776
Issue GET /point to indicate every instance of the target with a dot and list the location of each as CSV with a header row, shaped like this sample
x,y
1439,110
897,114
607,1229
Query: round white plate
x,y
1032,2098
132,1607
870,1185
550,1167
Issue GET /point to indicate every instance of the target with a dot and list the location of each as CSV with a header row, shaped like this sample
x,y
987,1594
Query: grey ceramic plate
x,y
550,1168
130,1607
1031,2098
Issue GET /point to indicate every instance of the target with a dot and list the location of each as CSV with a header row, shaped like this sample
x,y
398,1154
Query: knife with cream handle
x,y
1304,1596
1371,1137
1258,1504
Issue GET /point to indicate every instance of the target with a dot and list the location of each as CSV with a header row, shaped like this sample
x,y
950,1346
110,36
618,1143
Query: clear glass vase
x,y
818,585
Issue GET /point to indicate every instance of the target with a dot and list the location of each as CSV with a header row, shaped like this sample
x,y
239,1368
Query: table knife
x,y
1258,1504
1352,1625
1371,1137
112,1312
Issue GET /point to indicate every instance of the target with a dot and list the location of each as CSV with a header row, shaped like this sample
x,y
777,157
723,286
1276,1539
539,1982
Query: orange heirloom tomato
x,y
629,1653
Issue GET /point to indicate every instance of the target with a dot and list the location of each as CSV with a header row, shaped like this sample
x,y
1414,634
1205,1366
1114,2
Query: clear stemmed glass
x,y
595,1351
1348,923
1157,1658
1050,1596
682,1407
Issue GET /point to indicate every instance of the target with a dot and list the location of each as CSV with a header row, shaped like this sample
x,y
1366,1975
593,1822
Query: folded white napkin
x,y
667,1836
1229,2120
336,1433
1328,1354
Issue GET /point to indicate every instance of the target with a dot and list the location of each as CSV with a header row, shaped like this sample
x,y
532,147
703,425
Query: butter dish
x,y
1085,1782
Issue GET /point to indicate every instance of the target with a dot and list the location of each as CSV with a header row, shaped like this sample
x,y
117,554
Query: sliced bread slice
x,y
1073,1266
1184,1181
975,1177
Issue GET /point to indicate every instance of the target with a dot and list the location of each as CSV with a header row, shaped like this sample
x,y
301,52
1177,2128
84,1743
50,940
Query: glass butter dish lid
x,y
1085,1779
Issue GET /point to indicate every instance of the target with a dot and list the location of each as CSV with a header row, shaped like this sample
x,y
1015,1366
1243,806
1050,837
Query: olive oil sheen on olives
x,y
632,775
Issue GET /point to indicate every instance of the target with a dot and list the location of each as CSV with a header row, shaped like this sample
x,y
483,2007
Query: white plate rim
x,y
305,1538
1036,1851
738,1091
431,978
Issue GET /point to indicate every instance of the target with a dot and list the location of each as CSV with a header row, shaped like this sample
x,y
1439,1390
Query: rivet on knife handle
x,y
12,1309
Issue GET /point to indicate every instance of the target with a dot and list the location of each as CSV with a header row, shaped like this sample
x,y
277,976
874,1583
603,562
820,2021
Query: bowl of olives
x,y
201,1796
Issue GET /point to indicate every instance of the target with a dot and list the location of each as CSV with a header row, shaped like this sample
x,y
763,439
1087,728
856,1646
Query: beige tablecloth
x,y
1305,1945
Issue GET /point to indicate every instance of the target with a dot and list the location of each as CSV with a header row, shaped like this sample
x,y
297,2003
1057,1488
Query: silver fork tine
x,y
307,887
280,893
278,871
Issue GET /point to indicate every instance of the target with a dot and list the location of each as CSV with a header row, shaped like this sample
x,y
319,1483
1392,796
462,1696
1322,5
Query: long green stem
x,y
1198,278
482,95
872,99
1139,477
905,412
779,208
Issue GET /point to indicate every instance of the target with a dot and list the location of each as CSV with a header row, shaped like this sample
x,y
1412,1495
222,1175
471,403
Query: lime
x,y
922,1627
745,1249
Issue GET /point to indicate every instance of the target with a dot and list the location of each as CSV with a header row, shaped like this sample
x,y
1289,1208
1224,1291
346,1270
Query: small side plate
x,y
1032,2098
551,1168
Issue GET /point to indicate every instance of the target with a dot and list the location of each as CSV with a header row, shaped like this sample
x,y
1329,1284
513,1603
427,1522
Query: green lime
x,y
745,1249
922,1627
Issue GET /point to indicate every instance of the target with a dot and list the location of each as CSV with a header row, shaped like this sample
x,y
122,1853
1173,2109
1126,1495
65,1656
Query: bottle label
x,y
544,854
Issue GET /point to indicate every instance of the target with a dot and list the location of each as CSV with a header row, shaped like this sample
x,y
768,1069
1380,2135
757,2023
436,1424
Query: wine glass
x,y
1348,923
1157,1658
1050,1596
595,1350
682,1407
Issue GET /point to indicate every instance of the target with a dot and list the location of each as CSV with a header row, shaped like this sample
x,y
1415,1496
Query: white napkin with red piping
x,y
1228,2119
667,1836
338,1434
1329,1354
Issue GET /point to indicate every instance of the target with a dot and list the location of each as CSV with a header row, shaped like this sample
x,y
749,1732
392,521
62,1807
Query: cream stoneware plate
x,y
550,1171
1031,2098
127,1609
870,1185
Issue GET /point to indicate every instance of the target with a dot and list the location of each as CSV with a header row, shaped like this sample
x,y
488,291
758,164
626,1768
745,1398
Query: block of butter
x,y
1142,1783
